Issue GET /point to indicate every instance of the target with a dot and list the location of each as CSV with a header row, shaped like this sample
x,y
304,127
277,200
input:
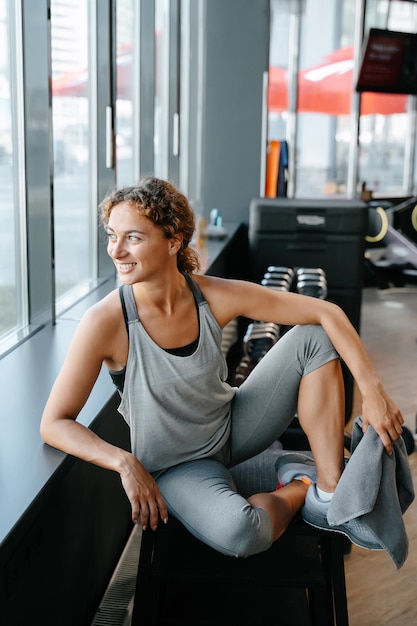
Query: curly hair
x,y
167,208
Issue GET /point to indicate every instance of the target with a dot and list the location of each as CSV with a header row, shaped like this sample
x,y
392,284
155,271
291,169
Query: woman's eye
x,y
130,237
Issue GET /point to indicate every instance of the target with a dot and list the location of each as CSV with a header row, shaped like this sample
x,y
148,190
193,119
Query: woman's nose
x,y
115,248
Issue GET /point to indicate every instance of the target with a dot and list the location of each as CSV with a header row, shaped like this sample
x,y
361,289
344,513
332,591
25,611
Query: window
x,y
166,141
385,137
319,126
73,223
126,50
13,309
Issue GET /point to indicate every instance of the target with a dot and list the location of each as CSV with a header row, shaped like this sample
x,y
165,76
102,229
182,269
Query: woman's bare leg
x,y
281,505
321,412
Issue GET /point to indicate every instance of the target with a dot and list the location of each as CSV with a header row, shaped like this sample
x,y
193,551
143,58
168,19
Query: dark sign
x,y
389,63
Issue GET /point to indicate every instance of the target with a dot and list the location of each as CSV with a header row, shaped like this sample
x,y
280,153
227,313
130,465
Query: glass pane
x,y
384,126
8,226
124,82
161,87
278,76
325,91
325,98
70,118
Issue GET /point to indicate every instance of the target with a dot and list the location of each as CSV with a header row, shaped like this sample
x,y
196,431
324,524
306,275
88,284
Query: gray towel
x,y
378,489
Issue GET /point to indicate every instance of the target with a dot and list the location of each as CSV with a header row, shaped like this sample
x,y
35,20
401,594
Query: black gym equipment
x,y
391,243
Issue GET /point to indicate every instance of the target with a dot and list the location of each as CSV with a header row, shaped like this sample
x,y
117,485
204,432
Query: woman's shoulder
x,y
227,298
102,330
216,285
105,311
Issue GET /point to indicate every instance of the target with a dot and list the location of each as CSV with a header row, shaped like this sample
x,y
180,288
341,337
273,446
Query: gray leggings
x,y
202,494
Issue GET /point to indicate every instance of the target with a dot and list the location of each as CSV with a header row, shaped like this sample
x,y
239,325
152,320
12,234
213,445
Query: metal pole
x,y
352,174
293,67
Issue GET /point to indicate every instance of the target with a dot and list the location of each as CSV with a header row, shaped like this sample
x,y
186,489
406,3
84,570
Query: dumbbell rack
x,y
260,336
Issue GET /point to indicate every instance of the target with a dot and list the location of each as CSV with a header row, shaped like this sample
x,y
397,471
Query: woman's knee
x,y
249,533
314,346
312,333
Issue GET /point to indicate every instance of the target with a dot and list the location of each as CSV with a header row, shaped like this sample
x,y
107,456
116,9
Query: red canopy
x,y
328,88
325,88
75,83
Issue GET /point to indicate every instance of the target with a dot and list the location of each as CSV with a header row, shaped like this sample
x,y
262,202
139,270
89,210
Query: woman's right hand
x,y
143,493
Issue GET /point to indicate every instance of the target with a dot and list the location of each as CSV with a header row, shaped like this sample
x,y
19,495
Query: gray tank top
x,y
177,407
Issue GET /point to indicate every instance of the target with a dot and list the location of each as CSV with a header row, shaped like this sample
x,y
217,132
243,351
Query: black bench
x,y
299,580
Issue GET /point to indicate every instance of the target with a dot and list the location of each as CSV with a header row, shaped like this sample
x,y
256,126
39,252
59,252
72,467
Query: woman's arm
x,y
59,428
230,299
378,409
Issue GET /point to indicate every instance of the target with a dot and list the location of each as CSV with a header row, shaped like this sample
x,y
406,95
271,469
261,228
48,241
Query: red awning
x,y
75,84
328,88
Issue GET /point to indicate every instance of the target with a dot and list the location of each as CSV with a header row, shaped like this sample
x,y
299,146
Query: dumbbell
x,y
315,288
275,279
257,330
259,338
315,271
312,282
280,284
242,371
280,269
279,273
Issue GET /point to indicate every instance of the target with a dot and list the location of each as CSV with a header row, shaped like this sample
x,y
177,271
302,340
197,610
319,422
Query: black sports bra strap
x,y
127,299
198,296
128,304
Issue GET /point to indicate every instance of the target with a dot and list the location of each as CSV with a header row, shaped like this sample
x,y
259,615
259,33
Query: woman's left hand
x,y
384,416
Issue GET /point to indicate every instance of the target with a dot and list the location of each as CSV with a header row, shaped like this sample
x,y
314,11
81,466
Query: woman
x,y
160,335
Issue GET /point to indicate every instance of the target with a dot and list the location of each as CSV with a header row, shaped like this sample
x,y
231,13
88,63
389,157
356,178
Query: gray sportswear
x,y
189,427
178,408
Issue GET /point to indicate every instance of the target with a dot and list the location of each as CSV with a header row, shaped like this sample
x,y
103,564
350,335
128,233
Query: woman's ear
x,y
175,244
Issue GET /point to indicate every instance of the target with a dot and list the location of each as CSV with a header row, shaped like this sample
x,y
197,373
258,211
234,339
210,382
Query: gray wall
x,y
236,52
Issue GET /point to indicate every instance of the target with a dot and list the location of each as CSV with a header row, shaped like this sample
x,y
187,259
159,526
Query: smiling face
x,y
139,249
164,206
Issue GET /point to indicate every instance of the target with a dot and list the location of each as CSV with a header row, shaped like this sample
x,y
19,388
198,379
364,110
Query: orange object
x,y
272,164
